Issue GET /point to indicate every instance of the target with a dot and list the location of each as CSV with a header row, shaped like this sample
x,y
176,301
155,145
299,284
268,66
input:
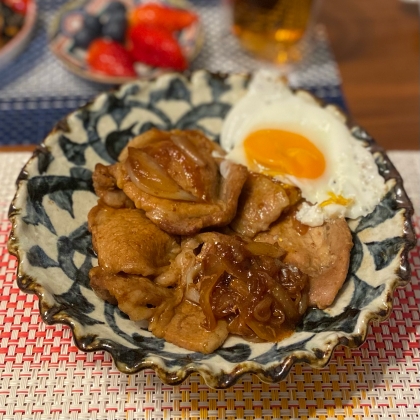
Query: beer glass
x,y
274,30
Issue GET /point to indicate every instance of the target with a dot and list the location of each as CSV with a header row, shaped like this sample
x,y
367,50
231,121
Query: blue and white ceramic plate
x,y
52,243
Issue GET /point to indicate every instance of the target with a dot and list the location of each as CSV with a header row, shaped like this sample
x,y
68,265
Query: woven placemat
x,y
44,376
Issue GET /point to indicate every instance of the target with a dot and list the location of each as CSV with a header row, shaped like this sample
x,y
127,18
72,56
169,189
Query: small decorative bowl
x,y
51,241
19,42
69,19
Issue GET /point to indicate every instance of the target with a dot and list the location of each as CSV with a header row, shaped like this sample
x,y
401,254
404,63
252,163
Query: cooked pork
x,y
178,183
261,202
178,322
240,262
106,188
186,329
322,252
183,269
136,296
186,156
246,284
126,240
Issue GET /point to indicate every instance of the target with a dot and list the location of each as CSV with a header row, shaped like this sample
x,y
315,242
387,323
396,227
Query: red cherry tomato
x,y
157,15
110,57
19,6
156,47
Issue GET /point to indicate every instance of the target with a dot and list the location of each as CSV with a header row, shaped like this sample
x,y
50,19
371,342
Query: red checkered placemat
x,y
44,376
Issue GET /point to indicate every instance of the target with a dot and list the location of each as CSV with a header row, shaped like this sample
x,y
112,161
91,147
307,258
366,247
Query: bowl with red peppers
x,y
116,41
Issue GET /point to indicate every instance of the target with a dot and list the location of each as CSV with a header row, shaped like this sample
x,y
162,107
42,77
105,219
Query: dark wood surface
x,y
376,44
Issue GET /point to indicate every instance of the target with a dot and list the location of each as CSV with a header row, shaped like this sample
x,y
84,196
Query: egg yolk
x,y
336,199
284,152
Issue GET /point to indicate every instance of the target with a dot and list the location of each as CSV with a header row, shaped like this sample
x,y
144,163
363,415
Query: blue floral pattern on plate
x,y
53,245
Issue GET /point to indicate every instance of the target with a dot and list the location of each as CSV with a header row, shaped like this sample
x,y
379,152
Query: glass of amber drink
x,y
275,30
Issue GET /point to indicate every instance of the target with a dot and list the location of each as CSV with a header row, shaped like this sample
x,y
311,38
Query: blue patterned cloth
x,y
36,91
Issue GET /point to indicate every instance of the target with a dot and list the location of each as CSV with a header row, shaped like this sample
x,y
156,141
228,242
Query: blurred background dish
x,y
17,20
115,41
275,30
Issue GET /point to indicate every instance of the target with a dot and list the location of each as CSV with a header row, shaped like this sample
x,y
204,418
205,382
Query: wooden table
x,y
376,45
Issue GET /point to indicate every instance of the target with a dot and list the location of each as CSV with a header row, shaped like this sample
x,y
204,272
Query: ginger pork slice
x,y
186,329
136,296
106,188
322,252
174,177
261,203
186,156
127,241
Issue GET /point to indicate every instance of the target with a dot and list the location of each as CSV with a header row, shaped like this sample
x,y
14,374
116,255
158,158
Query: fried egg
x,y
289,136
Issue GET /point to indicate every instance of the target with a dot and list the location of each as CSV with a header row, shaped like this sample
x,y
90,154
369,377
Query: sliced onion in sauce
x,y
189,149
262,330
150,177
262,310
238,326
206,288
282,297
264,248
191,290
142,140
192,294
239,287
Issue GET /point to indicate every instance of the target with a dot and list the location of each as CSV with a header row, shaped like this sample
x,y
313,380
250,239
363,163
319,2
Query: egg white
x,y
350,170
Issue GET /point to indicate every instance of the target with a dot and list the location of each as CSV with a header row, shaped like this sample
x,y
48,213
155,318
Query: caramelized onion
x,y
262,310
143,140
239,287
192,294
243,282
189,149
150,177
192,269
262,330
264,248
279,314
283,298
207,285
238,326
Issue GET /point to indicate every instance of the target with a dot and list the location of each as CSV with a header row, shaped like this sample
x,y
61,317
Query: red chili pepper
x,y
110,57
19,6
157,15
156,47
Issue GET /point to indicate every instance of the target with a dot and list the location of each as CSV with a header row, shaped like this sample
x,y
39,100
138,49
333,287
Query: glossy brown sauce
x,y
258,295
